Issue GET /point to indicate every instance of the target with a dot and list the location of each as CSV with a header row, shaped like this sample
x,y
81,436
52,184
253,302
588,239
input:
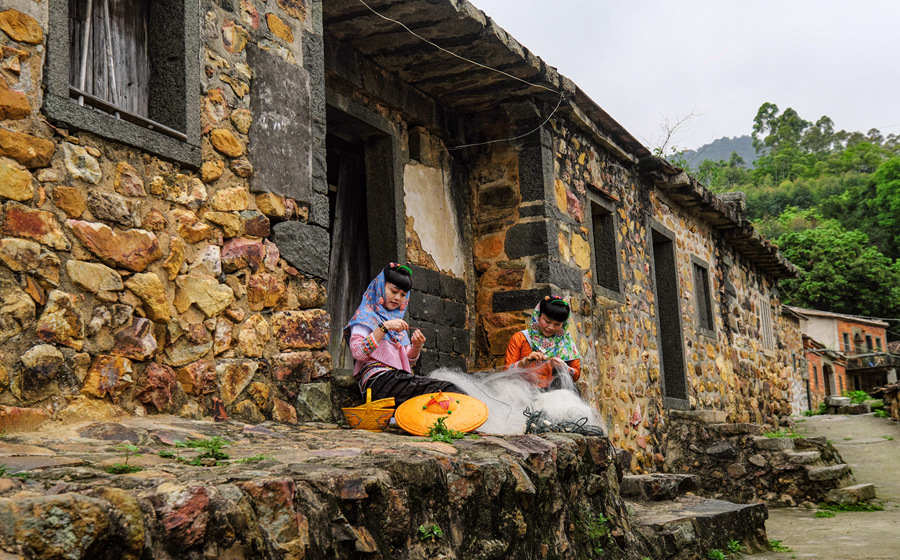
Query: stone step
x,y
773,444
657,486
802,457
851,494
830,472
691,525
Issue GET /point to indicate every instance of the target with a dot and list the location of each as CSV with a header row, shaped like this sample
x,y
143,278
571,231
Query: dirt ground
x,y
871,446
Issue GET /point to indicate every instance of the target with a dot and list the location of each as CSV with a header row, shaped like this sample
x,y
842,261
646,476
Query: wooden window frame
x,y
173,129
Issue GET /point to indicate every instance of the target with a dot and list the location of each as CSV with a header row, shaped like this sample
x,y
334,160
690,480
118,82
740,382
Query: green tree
x,y
840,271
886,204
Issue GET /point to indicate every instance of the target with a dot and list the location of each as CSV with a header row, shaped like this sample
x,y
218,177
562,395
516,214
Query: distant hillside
x,y
721,149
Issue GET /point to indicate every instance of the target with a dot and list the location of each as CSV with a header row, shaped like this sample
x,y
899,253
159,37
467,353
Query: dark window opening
x,y
869,346
669,305
846,343
606,267
857,386
816,377
703,297
878,344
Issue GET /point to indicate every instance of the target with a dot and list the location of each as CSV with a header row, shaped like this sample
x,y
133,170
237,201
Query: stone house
x,y
190,218
862,343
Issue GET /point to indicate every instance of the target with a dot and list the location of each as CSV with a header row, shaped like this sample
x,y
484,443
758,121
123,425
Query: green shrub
x,y
856,397
716,554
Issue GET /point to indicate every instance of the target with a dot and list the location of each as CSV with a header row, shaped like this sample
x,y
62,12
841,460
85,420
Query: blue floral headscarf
x,y
371,311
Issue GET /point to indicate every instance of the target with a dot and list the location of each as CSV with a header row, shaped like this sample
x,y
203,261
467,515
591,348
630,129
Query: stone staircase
x,y
738,463
674,523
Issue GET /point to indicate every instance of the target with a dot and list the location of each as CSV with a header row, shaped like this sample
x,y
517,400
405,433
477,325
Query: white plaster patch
x,y
428,203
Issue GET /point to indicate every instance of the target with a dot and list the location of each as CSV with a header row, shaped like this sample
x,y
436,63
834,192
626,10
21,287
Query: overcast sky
x,y
643,61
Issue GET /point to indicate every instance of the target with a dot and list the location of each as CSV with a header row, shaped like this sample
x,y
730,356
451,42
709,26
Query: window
x,y
878,343
869,346
816,376
603,222
766,334
702,296
846,343
128,70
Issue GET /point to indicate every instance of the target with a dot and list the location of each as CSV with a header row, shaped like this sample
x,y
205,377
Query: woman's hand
x,y
417,339
533,358
396,325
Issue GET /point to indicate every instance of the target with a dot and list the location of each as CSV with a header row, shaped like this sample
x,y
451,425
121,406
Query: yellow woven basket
x,y
373,415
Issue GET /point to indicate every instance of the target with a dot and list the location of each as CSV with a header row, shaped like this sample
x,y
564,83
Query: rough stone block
x,y
658,486
461,341
454,314
428,329
453,288
773,444
444,339
831,472
738,429
703,416
560,275
837,401
425,280
527,239
851,494
425,307
517,300
802,457
305,246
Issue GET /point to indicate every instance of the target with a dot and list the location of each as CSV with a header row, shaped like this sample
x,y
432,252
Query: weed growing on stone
x,y
211,449
166,454
433,532
852,507
130,450
716,554
4,471
881,413
825,514
733,546
440,432
593,527
256,458
782,434
778,547
889,438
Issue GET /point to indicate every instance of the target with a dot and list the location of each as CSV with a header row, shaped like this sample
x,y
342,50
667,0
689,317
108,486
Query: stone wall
x,y
132,283
737,462
532,236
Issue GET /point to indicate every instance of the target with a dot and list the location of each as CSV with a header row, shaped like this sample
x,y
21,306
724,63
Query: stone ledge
x,y
309,491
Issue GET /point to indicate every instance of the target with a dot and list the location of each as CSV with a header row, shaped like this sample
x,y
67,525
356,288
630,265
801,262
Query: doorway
x,y
830,387
668,304
363,225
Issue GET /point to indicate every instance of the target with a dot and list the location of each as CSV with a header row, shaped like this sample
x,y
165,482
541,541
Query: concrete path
x,y
871,446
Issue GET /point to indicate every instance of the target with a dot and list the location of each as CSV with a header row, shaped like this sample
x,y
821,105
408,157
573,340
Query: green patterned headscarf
x,y
560,346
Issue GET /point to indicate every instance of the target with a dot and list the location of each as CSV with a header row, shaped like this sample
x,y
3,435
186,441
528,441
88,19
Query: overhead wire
x,y
480,65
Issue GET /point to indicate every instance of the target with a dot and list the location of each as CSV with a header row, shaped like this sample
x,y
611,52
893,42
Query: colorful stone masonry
x,y
182,266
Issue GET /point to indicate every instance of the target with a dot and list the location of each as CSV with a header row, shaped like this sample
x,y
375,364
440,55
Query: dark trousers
x,y
403,386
